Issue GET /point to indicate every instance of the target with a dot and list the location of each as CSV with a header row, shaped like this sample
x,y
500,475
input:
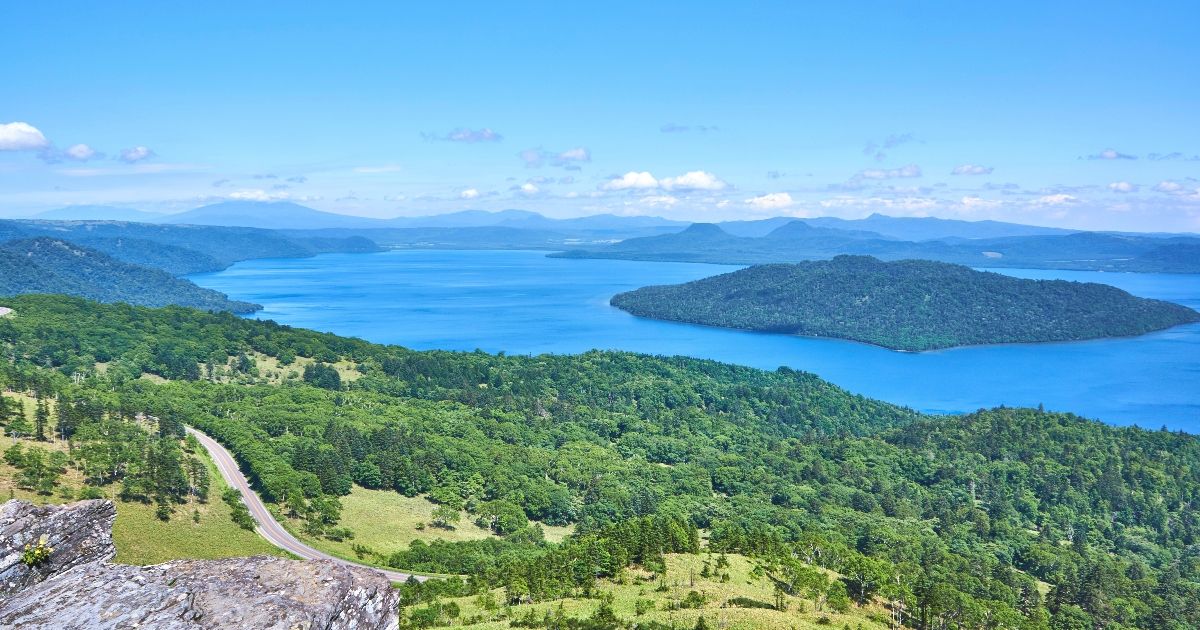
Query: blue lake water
x,y
521,302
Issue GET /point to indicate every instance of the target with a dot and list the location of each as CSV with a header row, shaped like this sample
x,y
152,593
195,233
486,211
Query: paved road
x,y
267,526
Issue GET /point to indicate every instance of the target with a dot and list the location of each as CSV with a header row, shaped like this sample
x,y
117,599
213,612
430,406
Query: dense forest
x,y
819,239
47,265
1004,518
906,305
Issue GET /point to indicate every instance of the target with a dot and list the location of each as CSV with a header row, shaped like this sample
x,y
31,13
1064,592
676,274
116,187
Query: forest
x,y
1003,518
911,305
47,265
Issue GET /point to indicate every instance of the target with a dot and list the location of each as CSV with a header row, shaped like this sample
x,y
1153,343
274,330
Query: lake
x,y
522,302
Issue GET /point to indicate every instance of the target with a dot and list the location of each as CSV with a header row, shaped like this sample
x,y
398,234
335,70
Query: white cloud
x,y
770,201
19,136
578,154
908,170
693,180
1168,186
79,152
659,201
257,195
529,188
471,136
979,203
633,180
1060,199
136,154
909,204
1122,187
971,169
569,159
1111,154
376,170
470,193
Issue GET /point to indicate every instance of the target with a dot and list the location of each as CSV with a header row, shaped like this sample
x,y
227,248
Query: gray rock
x,y
80,533
257,592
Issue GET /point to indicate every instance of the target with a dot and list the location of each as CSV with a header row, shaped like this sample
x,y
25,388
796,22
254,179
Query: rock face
x,y
80,534
258,592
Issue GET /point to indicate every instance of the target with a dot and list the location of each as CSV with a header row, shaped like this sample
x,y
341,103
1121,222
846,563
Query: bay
x,y
522,302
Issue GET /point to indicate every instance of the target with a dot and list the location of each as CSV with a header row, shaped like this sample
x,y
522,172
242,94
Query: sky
x,y
1082,115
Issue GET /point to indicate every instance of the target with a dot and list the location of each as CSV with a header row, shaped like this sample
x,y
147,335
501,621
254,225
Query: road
x,y
267,526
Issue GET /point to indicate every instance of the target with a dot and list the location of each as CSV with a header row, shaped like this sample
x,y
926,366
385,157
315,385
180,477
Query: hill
x,y
292,216
932,228
183,249
801,240
906,305
268,215
676,475
46,265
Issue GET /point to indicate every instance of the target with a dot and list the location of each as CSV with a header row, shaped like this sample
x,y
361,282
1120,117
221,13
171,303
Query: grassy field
x,y
139,536
143,539
659,597
271,372
386,521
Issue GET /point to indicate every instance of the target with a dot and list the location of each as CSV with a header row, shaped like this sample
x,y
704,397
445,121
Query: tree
x,y
837,598
446,517
19,426
323,376
41,417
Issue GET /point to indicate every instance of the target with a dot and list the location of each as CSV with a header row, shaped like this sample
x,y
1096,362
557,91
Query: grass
x,y
683,576
140,537
270,372
386,521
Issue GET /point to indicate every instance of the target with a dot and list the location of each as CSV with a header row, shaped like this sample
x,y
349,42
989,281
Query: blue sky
x,y
1079,114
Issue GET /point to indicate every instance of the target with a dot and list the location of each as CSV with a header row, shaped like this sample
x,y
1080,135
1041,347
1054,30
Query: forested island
x,y
911,305
670,476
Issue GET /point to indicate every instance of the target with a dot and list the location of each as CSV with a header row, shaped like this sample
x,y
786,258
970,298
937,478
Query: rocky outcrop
x,y
257,592
79,534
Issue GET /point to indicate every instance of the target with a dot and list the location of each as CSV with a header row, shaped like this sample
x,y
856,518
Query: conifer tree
x,y
40,418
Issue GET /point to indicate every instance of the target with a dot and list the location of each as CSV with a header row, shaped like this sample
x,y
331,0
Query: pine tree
x,y
40,418
19,426
8,408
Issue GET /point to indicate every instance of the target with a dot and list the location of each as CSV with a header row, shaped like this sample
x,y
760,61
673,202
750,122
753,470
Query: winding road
x,y
267,526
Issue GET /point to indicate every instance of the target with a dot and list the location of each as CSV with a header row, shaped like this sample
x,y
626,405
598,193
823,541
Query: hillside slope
x,y
1011,518
905,305
46,265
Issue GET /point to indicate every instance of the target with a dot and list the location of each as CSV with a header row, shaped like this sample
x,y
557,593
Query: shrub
x,y
37,553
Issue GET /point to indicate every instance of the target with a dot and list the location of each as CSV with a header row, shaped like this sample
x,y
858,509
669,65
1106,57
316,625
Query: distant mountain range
x,y
799,240
182,249
255,229
48,265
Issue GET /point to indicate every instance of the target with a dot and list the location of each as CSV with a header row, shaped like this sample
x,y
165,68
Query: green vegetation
x,y
1005,518
906,305
45,265
160,485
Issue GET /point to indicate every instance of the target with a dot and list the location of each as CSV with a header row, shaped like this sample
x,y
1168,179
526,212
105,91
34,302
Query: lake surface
x,y
521,302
